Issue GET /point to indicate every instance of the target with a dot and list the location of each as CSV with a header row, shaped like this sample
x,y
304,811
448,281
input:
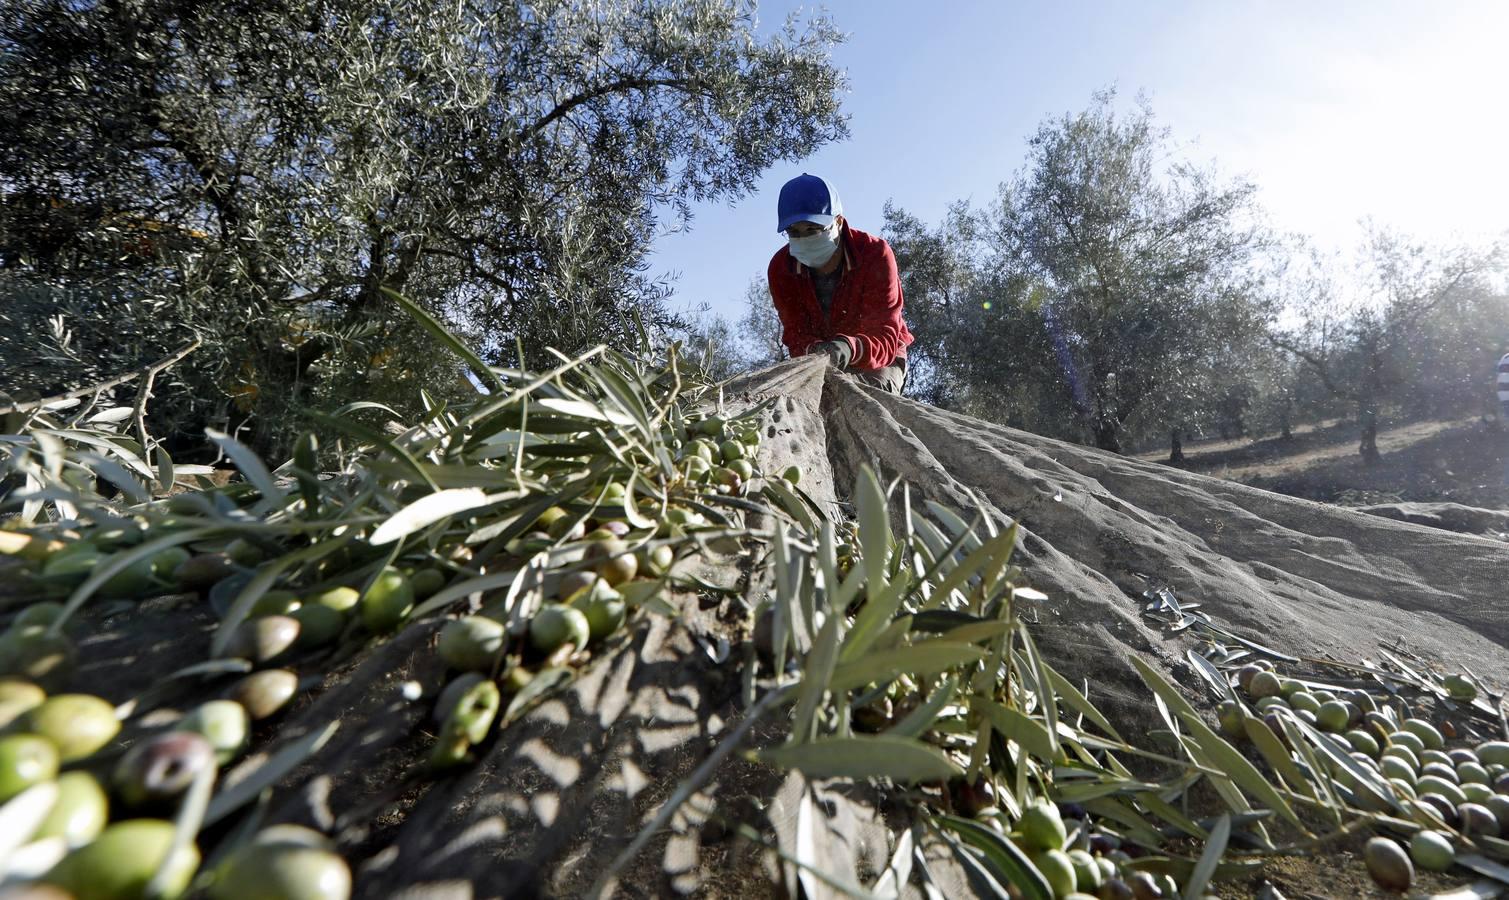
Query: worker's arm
x,y
796,331
878,339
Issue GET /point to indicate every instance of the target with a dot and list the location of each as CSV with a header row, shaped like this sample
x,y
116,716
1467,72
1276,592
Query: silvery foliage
x,y
283,162
1102,291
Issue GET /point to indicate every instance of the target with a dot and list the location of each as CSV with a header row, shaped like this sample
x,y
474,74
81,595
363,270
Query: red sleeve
x,y
881,330
794,325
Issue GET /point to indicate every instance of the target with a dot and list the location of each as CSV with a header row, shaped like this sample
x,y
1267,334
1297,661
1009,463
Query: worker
x,y
836,289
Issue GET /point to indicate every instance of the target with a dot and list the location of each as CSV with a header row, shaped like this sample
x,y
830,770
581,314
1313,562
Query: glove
x,y
837,351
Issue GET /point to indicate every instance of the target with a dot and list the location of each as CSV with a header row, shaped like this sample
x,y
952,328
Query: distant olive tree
x,y
760,326
279,166
1404,325
1100,297
724,348
1146,261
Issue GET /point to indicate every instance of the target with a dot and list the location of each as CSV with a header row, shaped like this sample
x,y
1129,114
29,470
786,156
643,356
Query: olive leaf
x,y
900,759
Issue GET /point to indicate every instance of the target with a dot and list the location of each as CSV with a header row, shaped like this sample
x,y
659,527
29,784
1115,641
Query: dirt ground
x,y
1458,461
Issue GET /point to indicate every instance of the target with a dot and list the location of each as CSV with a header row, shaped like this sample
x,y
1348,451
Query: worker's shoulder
x,y
863,241
781,266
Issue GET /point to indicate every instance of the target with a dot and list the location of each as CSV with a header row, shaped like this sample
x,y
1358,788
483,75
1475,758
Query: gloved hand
x,y
837,351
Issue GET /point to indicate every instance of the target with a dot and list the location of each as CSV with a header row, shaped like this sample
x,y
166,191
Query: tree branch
x,y
602,90
1315,363
149,371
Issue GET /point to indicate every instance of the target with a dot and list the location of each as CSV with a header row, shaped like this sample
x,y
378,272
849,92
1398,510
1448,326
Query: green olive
x,y
473,713
1304,700
31,547
73,563
451,695
78,724
696,467
80,812
427,582
25,760
318,625
1432,850
1264,684
573,583
611,562
1230,716
120,863
17,695
565,527
43,614
132,582
265,693
1058,869
283,871
659,560
1494,753
340,599
1332,715
1460,688
244,552
1407,739
604,608
1087,874
31,653
263,640
1396,767
1363,742
549,517
556,625
1042,827
1426,732
166,562
224,723
387,602
274,603
680,515
202,572
472,644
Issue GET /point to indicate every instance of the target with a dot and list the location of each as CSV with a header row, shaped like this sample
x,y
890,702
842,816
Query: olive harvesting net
x,y
612,630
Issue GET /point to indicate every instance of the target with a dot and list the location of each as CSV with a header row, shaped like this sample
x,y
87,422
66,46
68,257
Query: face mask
x,y
817,249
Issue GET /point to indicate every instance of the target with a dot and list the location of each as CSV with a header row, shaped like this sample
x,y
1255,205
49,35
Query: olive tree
x,y
1146,266
1102,297
760,326
1404,324
287,163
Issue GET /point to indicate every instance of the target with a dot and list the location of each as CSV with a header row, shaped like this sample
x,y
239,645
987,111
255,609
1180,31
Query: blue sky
x,y
1336,110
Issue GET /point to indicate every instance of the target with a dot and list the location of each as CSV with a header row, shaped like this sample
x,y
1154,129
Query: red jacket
x,y
866,308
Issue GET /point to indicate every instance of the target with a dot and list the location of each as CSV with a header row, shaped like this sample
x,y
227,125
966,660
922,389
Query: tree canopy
x,y
1114,282
505,163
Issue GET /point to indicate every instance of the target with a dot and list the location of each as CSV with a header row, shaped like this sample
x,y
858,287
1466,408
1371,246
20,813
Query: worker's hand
x,y
838,352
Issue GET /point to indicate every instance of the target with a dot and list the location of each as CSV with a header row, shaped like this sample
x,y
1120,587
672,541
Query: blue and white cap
x,y
808,198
